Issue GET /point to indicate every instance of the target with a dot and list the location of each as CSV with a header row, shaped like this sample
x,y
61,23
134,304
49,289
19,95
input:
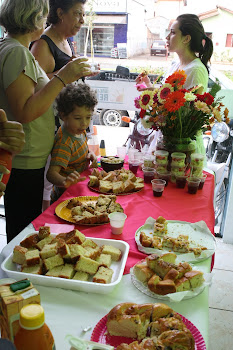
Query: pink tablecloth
x,y
175,204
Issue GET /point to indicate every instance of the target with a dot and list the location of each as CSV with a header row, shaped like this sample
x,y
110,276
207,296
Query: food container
x,y
176,171
12,271
178,159
162,168
161,157
196,171
197,160
148,160
111,163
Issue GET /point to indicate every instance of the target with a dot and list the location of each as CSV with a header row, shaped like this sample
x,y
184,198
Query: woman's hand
x,y
12,136
72,179
75,69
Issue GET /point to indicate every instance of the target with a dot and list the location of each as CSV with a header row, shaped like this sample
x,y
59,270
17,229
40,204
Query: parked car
x,y
159,47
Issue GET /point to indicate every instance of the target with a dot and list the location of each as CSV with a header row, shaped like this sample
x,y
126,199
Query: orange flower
x,y
177,79
173,117
174,101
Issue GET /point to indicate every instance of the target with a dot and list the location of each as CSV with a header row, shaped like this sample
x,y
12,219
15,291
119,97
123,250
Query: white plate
x,y
198,232
172,297
11,269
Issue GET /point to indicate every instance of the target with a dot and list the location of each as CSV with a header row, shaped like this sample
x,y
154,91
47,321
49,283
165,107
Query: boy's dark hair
x,y
75,95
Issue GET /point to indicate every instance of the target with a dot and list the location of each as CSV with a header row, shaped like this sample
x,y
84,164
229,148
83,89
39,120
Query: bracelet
x,y
61,80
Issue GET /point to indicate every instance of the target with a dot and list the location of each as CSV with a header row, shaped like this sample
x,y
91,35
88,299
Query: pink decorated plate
x,y
100,335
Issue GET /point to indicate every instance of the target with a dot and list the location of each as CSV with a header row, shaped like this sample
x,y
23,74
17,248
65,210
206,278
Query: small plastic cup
x,y
178,159
148,174
203,178
158,187
117,221
131,153
138,156
161,157
133,166
181,181
164,176
193,184
197,160
148,160
121,152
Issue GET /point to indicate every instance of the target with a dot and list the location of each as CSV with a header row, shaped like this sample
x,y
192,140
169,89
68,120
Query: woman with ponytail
x,y
194,49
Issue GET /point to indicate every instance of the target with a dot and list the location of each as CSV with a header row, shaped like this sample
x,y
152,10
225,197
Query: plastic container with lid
x,y
178,159
148,160
33,333
161,157
197,160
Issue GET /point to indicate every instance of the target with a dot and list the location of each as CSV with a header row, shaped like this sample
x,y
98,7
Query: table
x,y
66,311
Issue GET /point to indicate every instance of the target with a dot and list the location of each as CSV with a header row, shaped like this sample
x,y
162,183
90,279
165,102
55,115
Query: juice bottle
x,y
102,148
33,332
6,160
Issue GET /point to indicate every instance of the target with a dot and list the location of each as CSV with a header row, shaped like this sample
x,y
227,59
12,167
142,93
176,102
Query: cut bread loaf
x,y
103,275
19,255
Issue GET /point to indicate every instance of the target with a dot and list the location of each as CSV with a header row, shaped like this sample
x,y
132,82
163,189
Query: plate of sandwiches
x,y
130,326
119,182
191,242
161,277
88,210
68,260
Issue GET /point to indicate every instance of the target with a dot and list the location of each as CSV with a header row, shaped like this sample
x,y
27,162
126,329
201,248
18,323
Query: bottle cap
x,y
95,130
32,316
102,144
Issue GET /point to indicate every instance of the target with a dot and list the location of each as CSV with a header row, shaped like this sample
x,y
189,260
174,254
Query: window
x,y
229,41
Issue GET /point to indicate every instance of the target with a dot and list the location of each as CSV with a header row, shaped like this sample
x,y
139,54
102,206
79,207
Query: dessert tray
x,y
172,297
100,334
198,232
96,189
64,213
13,271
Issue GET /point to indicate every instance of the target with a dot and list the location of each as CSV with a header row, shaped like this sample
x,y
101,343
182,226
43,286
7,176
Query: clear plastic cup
x,y
181,181
131,153
203,178
148,174
121,152
193,184
117,221
164,176
161,157
161,167
178,159
158,187
197,160
134,165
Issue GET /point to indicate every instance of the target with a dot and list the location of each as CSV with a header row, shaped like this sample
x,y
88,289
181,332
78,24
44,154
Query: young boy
x,y
70,155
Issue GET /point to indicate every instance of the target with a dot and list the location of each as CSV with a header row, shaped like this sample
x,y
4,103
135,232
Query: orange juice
x,y
6,160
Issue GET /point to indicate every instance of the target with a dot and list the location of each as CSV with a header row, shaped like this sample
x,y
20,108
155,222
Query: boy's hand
x,y
73,178
92,157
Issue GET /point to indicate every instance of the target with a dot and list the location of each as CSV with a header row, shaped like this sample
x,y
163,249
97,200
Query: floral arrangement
x,y
178,112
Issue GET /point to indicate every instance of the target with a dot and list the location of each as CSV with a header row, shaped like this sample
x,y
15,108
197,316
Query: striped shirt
x,y
69,152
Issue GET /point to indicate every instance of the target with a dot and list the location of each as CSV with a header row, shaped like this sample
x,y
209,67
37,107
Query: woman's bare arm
x,y
43,55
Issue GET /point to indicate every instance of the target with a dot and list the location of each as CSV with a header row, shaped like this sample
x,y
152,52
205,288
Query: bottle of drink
x,y
102,148
33,332
6,160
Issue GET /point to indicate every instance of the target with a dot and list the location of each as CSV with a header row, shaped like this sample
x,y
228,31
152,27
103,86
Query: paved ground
x,y
146,60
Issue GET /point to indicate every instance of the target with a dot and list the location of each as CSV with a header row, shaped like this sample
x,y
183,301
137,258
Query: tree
x,y
90,17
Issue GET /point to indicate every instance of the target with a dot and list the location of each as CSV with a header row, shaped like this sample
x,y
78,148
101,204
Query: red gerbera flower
x,y
177,78
142,113
206,97
174,101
